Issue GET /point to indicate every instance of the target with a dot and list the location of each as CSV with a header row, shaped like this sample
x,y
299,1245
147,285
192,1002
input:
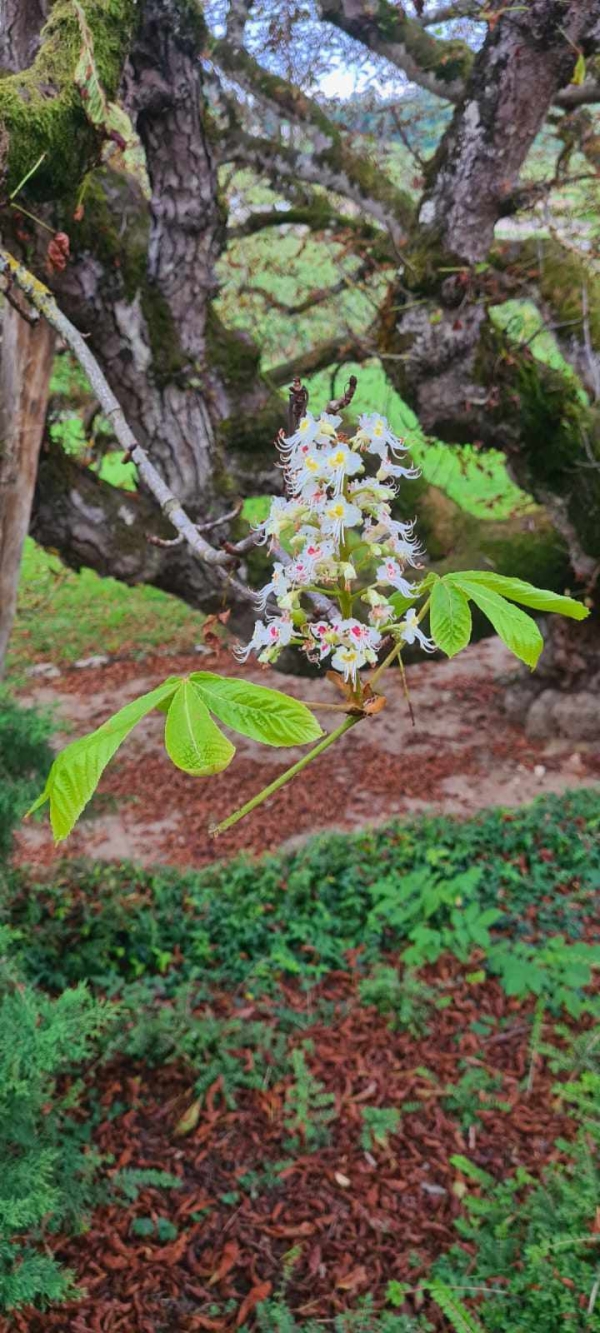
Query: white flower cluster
x,y
338,528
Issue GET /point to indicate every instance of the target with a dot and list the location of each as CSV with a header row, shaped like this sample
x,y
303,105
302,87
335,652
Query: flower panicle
x,y
336,524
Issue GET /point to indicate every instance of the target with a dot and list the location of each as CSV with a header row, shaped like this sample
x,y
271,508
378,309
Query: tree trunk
x,y
25,366
141,286
20,25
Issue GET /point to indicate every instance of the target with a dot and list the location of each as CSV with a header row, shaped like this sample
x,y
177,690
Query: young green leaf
x,y
517,630
77,770
263,714
192,739
517,590
450,618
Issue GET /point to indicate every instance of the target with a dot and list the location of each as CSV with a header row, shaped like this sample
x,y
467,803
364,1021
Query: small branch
x,y
165,543
43,301
581,94
315,297
344,348
461,9
338,404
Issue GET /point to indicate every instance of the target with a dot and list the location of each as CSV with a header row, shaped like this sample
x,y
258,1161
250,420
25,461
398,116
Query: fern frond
x,y
456,1313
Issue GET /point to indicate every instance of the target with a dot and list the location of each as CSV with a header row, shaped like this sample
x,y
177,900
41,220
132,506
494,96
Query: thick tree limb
x,y
442,67
525,60
95,525
43,301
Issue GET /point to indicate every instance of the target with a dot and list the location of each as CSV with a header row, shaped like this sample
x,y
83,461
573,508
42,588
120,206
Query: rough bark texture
x,y
96,525
25,365
20,26
464,377
524,61
142,285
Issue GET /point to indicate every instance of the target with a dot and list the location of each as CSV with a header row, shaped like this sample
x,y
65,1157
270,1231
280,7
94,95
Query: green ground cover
x,y
158,967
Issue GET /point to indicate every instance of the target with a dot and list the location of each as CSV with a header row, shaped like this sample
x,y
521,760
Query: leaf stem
x,y
331,708
287,776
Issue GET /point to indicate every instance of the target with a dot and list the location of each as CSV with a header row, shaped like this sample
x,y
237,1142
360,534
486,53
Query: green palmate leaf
x,y
77,770
517,590
193,740
517,630
265,715
450,618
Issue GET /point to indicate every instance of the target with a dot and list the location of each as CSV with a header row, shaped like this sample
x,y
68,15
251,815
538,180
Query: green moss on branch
x,y
442,66
557,431
41,110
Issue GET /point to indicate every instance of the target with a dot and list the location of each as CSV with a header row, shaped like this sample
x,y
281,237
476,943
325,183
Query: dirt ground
x,y
462,755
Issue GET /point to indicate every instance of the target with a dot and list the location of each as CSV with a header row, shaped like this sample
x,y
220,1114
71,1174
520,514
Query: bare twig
x,y
165,543
297,403
338,404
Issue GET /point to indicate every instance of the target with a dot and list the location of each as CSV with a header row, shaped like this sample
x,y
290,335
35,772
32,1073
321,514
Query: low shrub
x,y
48,1165
25,759
435,884
532,1249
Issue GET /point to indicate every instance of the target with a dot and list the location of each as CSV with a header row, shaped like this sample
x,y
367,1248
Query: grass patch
x,y
63,616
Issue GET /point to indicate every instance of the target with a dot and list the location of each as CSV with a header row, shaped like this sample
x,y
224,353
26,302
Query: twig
x,y
297,403
43,301
587,342
338,404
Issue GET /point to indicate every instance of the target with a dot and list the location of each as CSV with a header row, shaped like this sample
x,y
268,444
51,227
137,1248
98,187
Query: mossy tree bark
x,y
464,377
141,286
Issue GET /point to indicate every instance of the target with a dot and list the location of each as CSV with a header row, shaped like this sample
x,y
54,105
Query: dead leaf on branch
x,y
58,252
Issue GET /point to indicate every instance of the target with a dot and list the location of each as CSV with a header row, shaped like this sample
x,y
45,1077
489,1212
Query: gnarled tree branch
x,y
331,159
43,301
441,67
